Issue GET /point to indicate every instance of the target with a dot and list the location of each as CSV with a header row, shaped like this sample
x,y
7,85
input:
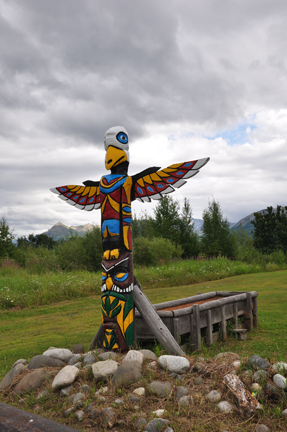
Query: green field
x,y
28,332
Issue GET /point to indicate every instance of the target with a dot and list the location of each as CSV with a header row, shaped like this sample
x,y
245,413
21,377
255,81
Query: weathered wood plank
x,y
209,328
223,301
98,339
14,420
196,327
235,315
248,318
176,333
182,301
223,324
155,323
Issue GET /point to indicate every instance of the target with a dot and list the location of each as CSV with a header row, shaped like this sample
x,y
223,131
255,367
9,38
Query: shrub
x,y
154,251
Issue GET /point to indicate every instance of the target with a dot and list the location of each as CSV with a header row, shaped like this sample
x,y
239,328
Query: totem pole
x,y
114,194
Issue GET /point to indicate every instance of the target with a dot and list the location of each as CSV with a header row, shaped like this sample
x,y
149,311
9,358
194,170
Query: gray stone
x,y
280,381
224,407
175,364
78,349
134,399
79,365
198,381
119,402
156,425
214,396
141,421
104,369
127,373
134,356
59,353
89,359
262,428
79,415
85,388
140,391
67,412
284,413
75,359
65,377
94,413
198,367
31,382
169,429
256,362
108,416
185,401
65,391
260,376
43,394
160,388
40,361
78,397
270,388
8,379
102,399
20,361
148,354
79,405
279,367
108,355
90,407
181,391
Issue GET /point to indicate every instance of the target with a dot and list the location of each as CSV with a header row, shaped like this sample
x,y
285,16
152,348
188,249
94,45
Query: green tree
x,y
189,238
6,240
270,230
167,219
143,226
217,238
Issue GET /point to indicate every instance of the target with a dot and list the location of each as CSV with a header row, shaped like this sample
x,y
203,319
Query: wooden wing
x,y
83,197
154,183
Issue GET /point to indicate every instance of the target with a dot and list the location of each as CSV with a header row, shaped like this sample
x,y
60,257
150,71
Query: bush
x,y
154,251
81,252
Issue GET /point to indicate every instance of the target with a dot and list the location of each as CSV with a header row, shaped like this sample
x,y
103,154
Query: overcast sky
x,y
186,78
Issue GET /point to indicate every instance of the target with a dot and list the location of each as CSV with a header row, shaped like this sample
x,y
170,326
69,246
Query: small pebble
x,y
79,415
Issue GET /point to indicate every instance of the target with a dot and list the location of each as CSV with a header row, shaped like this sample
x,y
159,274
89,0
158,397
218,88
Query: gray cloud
x,y
70,70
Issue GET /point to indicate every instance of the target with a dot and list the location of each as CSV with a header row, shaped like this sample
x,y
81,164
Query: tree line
x,y
168,234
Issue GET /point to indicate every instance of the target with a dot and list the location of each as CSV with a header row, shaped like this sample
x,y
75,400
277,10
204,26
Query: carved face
x,y
117,275
117,146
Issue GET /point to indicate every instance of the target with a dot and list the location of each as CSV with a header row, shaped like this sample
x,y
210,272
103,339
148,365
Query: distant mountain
x,y
60,231
246,224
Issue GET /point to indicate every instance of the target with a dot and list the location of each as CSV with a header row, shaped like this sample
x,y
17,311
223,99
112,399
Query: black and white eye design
x,y
122,138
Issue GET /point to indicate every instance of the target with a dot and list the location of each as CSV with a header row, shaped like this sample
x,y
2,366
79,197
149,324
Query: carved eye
x,y
104,276
122,138
121,277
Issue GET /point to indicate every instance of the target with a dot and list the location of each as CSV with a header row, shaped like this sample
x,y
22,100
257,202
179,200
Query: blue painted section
x,y
108,189
127,209
113,226
127,220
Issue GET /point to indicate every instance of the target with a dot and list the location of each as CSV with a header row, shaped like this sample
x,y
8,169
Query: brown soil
x,y
185,305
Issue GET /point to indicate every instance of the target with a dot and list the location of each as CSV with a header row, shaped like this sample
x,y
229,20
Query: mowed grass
x,y
28,332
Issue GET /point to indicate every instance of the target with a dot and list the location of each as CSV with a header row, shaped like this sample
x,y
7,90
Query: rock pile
x,y
97,386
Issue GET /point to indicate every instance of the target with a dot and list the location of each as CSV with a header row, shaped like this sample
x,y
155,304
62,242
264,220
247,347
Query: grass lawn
x,y
28,332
